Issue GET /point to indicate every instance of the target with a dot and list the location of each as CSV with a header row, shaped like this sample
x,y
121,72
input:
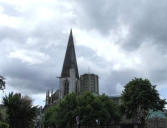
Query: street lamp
x,y
77,121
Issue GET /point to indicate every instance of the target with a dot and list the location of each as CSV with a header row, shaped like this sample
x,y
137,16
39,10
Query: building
x,y
88,82
69,80
116,99
156,119
52,97
69,75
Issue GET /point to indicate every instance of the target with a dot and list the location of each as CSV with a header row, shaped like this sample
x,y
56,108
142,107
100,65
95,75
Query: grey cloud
x,y
115,79
146,19
31,78
12,34
150,27
10,10
98,15
147,25
107,15
114,83
34,78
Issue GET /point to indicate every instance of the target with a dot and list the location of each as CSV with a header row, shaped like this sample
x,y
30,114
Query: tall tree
x,y
20,111
138,97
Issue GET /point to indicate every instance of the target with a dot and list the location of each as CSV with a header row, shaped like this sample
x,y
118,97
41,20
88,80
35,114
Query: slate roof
x,y
70,59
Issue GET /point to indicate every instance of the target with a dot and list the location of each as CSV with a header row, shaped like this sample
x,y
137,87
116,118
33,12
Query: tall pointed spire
x,y
70,59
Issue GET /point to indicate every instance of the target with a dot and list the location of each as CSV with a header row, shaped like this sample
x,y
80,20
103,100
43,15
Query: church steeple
x,y
70,59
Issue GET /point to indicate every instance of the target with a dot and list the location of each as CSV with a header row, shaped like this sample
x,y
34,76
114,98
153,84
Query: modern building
x,y
88,82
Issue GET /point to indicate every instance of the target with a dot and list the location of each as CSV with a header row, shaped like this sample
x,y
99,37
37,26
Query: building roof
x,y
156,114
91,74
70,59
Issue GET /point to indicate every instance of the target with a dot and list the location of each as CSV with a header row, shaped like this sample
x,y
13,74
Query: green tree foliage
x,y
2,83
88,107
20,110
48,119
138,97
111,108
92,108
4,125
3,114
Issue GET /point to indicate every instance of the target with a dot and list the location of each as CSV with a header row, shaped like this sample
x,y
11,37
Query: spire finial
x,y
71,32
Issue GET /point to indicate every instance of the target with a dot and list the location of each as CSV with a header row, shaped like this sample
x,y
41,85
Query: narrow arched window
x,y
66,87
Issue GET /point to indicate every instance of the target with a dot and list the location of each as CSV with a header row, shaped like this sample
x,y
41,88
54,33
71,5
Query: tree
x,y
2,83
63,114
138,97
3,115
4,125
111,108
101,108
87,107
20,111
48,119
66,111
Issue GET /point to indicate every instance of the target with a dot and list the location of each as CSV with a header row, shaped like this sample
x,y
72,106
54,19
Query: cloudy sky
x,y
116,39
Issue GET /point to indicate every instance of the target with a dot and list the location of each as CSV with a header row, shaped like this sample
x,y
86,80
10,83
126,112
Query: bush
x,y
4,125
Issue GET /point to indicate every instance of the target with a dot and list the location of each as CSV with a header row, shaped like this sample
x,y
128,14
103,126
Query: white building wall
x,y
61,87
72,83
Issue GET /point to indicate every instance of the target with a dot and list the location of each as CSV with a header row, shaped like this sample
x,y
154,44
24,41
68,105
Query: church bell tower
x,y
69,74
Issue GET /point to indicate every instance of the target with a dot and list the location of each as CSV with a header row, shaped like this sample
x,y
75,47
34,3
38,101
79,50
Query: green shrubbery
x,y
4,125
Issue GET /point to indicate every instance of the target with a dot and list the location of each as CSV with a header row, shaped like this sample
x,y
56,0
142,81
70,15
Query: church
x,y
69,80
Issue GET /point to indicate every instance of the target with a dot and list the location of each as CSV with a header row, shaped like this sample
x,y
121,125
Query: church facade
x,y
69,80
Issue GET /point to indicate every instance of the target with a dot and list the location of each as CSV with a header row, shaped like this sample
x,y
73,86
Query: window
x,y
66,87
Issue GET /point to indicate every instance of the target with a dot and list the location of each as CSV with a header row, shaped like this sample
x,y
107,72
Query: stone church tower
x,y
69,75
